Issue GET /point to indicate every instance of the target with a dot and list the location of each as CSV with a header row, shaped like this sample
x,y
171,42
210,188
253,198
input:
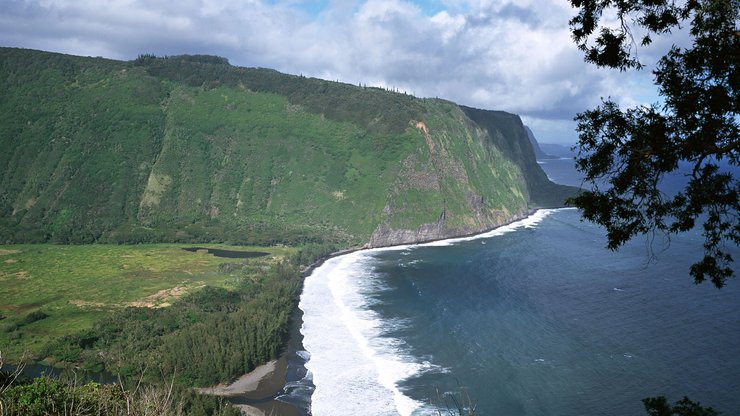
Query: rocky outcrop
x,y
385,236
480,173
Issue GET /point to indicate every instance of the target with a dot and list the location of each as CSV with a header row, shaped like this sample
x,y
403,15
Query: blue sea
x,y
535,318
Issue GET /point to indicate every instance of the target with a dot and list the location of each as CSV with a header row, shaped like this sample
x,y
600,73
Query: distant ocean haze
x,y
537,318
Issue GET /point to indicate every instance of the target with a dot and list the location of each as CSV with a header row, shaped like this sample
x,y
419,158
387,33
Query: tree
x,y
625,154
659,406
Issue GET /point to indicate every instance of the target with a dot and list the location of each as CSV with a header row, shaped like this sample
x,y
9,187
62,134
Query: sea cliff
x,y
193,149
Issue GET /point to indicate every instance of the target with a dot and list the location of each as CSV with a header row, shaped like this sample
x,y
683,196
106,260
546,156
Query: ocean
x,y
535,318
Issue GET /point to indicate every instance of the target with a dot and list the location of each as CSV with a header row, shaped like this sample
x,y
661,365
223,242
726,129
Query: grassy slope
x,y
77,285
78,139
103,151
507,133
456,175
246,158
179,150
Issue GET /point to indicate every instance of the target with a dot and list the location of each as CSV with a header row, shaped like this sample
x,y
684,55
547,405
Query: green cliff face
x,y
193,149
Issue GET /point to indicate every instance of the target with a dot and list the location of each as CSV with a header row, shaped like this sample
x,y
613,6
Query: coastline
x,y
256,393
309,269
255,383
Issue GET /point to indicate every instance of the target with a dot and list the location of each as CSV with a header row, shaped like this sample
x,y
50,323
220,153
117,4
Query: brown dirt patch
x,y
86,304
162,298
20,275
4,252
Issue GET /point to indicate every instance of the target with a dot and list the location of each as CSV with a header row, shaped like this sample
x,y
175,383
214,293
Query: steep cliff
x,y
538,152
460,182
507,132
191,148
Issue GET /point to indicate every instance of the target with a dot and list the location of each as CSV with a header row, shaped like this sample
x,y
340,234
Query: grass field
x,y
76,285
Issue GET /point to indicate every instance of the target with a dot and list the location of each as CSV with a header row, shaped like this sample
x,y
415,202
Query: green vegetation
x,y
209,334
501,128
46,396
659,406
76,286
204,338
149,310
625,154
76,137
191,149
375,109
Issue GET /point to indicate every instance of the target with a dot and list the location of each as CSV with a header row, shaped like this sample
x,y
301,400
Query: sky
x,y
515,56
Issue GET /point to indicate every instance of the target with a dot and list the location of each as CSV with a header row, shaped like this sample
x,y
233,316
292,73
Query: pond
x,y
229,254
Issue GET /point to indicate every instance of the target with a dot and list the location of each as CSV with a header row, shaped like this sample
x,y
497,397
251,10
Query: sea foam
x,y
355,369
528,222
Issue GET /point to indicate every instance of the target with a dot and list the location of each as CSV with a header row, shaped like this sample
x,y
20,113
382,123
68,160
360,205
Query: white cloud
x,y
448,26
494,54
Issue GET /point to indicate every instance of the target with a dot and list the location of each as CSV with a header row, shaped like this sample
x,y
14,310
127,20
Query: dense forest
x,y
204,338
192,149
207,337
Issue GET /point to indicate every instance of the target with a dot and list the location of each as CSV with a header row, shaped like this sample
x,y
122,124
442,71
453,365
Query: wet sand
x,y
254,393
248,383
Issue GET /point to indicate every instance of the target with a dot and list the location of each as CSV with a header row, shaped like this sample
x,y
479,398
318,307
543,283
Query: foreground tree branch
x,y
625,154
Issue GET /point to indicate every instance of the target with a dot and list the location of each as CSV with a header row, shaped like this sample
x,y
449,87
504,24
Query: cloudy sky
x,y
515,56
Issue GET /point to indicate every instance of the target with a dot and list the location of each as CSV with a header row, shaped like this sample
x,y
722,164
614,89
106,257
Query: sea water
x,y
535,318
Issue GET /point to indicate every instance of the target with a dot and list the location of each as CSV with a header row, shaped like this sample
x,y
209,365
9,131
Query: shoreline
x,y
251,383
309,269
256,392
